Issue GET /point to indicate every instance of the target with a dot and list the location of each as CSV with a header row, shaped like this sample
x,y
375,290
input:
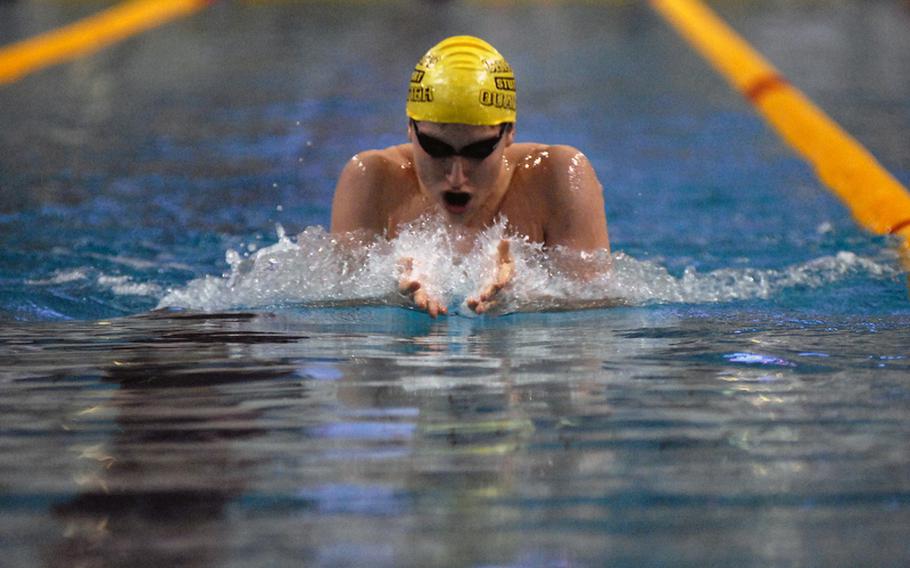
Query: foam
x,y
124,286
60,277
318,268
118,284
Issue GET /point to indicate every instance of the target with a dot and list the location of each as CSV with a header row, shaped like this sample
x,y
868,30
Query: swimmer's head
x,y
462,80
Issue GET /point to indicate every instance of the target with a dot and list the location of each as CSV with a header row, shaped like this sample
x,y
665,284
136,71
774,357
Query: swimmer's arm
x,y
576,217
488,297
358,201
575,220
358,211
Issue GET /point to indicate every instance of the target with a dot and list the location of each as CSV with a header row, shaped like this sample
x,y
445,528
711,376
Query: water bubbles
x,y
232,257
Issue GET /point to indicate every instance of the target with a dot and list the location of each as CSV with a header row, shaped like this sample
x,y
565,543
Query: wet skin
x,y
549,194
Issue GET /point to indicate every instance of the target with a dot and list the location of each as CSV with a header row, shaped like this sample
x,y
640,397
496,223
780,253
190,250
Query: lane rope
x,y
877,200
90,34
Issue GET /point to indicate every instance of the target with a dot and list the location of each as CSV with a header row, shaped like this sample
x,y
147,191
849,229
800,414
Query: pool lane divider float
x,y
90,34
877,199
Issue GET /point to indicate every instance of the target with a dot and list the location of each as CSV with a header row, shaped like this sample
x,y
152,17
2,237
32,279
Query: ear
x,y
509,136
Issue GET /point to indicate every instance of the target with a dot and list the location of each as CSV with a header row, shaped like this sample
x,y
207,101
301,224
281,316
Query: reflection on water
x,y
153,459
379,436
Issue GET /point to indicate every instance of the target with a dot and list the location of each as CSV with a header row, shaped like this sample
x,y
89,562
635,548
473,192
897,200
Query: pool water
x,y
188,377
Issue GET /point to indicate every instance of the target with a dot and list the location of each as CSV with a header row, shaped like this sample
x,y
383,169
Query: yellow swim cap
x,y
462,79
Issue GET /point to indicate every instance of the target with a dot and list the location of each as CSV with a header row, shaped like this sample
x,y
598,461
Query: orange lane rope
x,y
90,34
877,199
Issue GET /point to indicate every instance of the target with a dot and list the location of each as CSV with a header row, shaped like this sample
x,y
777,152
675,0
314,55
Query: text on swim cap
x,y
417,94
428,60
505,83
497,66
417,76
499,100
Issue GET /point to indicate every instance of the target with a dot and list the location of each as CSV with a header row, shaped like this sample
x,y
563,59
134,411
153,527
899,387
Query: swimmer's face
x,y
459,164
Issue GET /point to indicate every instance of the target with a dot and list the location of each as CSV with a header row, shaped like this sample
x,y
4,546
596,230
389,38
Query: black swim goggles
x,y
475,151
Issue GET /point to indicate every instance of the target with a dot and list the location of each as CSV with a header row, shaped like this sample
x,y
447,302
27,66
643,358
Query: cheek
x,y
484,172
428,171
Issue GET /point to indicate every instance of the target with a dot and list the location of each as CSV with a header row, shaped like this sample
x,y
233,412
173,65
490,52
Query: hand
x,y
505,267
410,287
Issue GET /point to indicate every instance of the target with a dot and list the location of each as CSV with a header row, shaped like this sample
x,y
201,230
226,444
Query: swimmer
x,y
461,161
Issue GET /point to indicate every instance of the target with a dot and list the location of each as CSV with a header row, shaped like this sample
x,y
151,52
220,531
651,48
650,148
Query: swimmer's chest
x,y
526,214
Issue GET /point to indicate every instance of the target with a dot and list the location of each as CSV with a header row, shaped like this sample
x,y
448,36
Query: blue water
x,y
151,174
182,385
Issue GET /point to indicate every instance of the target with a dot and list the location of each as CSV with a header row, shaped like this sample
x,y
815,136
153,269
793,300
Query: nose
x,y
455,174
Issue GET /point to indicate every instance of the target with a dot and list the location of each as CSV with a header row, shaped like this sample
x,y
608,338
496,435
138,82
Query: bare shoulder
x,y
556,168
360,194
563,154
562,177
571,169
371,168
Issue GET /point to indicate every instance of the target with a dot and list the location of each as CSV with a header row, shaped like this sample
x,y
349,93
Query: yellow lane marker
x,y
90,34
877,200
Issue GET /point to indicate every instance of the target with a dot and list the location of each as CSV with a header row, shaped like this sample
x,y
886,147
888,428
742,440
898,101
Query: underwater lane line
x,y
876,199
90,34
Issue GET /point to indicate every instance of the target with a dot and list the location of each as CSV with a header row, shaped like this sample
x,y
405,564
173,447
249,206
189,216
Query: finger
x,y
488,292
436,307
480,306
406,283
421,300
408,287
505,250
492,290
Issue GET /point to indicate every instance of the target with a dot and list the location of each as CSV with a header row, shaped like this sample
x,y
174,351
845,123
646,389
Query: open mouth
x,y
456,199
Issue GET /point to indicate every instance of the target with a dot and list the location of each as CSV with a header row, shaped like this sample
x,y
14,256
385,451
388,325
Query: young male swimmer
x,y
462,162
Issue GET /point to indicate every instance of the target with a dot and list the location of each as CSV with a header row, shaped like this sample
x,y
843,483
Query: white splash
x,y
119,285
60,277
321,269
125,286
